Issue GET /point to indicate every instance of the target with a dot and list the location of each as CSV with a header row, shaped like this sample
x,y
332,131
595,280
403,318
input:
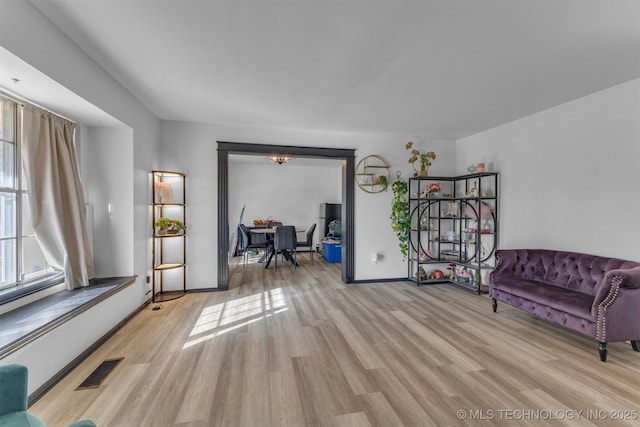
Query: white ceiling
x,y
428,68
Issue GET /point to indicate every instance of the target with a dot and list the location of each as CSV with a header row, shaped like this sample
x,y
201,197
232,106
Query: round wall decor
x,y
372,174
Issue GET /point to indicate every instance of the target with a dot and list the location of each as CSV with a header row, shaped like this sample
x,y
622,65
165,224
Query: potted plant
x,y
382,180
425,159
169,226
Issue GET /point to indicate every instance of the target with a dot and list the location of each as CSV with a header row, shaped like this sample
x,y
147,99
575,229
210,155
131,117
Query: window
x,y
21,259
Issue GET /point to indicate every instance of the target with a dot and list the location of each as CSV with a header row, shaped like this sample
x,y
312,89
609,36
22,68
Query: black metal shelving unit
x,y
454,231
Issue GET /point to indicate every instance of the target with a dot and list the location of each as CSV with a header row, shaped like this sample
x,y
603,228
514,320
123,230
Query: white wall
x,y
48,50
569,174
373,224
107,175
290,193
191,148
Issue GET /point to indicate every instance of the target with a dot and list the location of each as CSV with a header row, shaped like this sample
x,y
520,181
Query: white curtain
x,y
56,196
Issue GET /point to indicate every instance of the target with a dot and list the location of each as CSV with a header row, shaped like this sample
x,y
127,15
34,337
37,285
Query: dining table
x,y
270,252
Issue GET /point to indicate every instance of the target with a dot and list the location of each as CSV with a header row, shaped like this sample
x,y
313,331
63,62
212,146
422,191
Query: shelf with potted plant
x,y
169,227
455,221
372,174
169,235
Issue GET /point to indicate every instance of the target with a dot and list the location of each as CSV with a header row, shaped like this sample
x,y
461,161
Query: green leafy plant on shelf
x,y
382,180
168,225
400,218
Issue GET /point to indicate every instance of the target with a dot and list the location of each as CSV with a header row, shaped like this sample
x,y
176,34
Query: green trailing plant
x,y
400,218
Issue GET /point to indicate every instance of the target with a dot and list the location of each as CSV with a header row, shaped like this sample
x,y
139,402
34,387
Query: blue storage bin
x,y
332,251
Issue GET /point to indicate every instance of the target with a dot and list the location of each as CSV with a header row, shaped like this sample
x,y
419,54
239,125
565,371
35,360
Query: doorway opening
x,y
347,158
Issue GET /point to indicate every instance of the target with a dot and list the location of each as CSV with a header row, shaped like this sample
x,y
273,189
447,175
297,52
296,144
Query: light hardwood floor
x,y
299,348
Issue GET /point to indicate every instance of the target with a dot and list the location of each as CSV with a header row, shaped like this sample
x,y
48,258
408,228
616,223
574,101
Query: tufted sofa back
x,y
578,272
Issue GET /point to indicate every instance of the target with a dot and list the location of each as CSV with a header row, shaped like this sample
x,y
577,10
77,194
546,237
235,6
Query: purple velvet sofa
x,y
596,296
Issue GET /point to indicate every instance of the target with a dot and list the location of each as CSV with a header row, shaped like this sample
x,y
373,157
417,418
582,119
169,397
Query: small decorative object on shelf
x,y
452,271
422,275
432,190
372,174
164,192
424,223
425,159
459,233
452,210
437,274
425,255
168,255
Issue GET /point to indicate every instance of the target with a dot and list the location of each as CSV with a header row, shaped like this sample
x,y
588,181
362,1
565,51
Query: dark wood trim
x,y
223,219
348,197
297,151
348,220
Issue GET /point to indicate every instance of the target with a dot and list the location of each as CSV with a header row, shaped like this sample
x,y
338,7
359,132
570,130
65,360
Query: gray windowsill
x,y
25,324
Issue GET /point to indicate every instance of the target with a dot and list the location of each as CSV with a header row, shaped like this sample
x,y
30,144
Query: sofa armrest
x,y
630,277
615,306
505,261
612,282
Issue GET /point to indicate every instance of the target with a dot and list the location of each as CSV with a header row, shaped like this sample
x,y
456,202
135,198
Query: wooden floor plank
x,y
284,400
356,419
196,405
108,404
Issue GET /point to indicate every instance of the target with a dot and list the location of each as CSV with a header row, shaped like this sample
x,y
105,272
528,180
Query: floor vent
x,y
99,374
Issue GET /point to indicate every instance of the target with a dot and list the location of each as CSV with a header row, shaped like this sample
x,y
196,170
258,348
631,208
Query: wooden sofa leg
x,y
494,304
636,345
602,348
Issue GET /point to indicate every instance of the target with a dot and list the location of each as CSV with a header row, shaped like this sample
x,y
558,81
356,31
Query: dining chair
x,y
308,243
246,243
284,241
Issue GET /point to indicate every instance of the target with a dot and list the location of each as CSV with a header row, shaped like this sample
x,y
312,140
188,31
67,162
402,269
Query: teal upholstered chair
x,y
13,400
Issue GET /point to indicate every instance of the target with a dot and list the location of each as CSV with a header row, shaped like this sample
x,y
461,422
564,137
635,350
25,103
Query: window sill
x,y
21,291
25,324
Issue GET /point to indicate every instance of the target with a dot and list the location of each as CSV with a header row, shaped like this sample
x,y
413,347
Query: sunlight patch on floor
x,y
227,316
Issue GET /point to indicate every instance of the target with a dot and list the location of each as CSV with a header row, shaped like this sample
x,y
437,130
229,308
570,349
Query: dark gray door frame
x,y
348,198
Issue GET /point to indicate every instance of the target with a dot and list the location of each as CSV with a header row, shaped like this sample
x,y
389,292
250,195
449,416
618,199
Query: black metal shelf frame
x,y
469,211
